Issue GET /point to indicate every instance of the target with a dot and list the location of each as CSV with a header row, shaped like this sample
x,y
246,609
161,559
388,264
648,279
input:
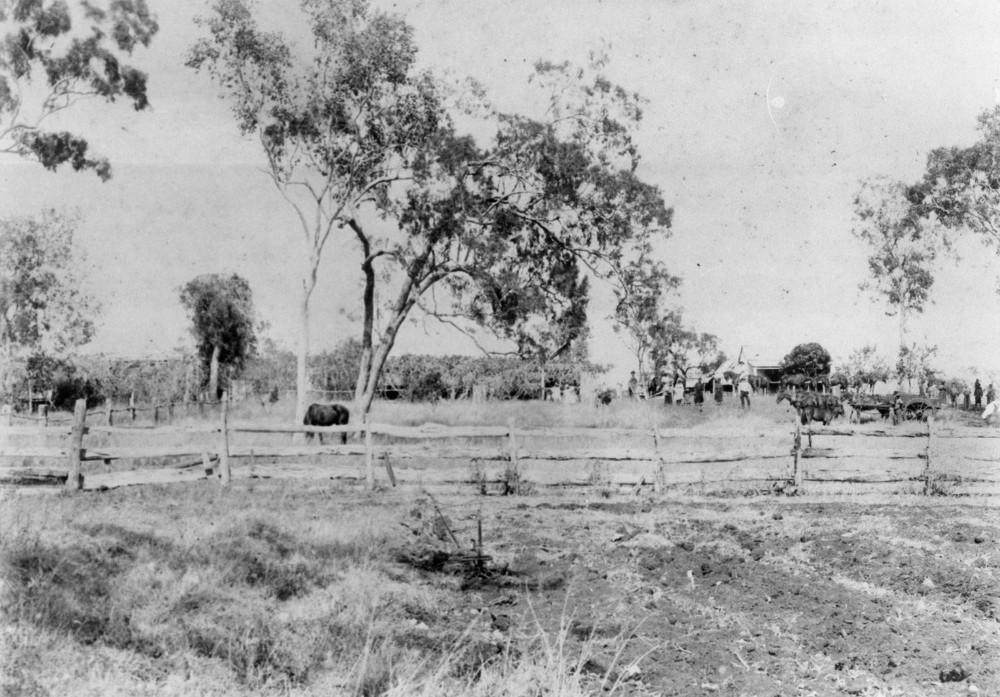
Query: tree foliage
x,y
339,119
960,188
47,64
641,313
504,235
808,359
677,349
902,248
46,307
865,367
223,322
914,364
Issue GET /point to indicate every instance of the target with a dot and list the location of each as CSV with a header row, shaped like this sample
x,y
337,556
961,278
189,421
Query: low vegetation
x,y
259,590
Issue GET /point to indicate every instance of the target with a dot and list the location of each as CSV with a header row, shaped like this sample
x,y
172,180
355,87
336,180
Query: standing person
x,y
897,408
718,393
678,393
965,394
699,394
744,388
977,392
633,386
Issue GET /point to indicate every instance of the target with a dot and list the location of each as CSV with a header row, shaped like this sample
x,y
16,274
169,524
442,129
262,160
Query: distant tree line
x,y
187,376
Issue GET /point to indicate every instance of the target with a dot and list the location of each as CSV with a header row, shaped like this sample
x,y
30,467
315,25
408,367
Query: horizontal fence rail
x,y
665,457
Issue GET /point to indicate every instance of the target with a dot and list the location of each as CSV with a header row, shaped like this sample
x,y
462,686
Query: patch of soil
x,y
728,597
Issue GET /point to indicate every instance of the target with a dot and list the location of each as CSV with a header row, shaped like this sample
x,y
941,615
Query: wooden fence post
x,y
131,406
74,481
224,470
927,456
43,411
156,415
111,417
511,444
369,455
659,476
796,449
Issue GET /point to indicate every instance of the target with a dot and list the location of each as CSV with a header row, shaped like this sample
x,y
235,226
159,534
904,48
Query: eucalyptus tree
x,y
48,63
641,314
222,321
505,235
960,188
46,305
339,118
902,248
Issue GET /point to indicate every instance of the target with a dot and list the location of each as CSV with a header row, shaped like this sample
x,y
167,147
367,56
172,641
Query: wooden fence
x,y
656,457
160,413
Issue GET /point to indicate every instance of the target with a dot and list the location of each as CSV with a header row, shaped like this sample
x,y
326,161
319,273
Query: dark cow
x,y
327,415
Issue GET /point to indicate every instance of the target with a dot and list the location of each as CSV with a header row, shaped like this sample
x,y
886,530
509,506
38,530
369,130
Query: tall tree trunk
x,y
367,331
213,374
302,357
368,322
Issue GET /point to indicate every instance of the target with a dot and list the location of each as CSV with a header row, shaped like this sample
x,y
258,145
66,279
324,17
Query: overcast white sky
x,y
762,197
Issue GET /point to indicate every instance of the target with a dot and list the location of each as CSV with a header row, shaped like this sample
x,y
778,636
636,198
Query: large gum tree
x,y
503,234
338,117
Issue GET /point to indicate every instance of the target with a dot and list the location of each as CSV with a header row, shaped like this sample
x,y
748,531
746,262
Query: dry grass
x,y
268,589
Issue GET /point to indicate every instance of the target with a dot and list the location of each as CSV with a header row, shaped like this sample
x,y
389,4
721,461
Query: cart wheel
x,y
918,411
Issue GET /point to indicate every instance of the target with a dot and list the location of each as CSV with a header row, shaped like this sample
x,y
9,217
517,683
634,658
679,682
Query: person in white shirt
x,y
744,389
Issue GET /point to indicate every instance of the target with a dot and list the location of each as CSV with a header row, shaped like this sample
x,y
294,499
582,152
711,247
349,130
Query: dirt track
x,y
764,597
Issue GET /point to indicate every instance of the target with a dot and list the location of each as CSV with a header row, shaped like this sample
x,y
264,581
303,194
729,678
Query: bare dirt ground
x,y
739,596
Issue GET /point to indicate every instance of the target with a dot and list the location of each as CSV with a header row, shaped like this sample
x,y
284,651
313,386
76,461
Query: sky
x,y
762,119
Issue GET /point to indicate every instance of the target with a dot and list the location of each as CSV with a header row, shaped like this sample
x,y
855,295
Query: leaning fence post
x,y
224,470
74,480
369,454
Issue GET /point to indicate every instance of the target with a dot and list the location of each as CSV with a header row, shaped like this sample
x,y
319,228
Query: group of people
x,y
676,393
970,397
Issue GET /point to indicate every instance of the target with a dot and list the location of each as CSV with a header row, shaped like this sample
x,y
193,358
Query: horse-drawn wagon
x,y
914,407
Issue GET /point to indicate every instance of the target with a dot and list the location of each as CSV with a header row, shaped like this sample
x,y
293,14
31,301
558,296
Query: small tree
x,y
640,313
914,364
46,308
902,247
46,66
222,315
811,360
865,368
677,349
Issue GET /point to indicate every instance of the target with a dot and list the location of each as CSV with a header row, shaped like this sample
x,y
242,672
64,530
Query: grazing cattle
x,y
992,412
327,415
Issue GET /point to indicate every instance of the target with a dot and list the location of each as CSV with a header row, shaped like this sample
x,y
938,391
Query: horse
x,y
811,406
327,415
